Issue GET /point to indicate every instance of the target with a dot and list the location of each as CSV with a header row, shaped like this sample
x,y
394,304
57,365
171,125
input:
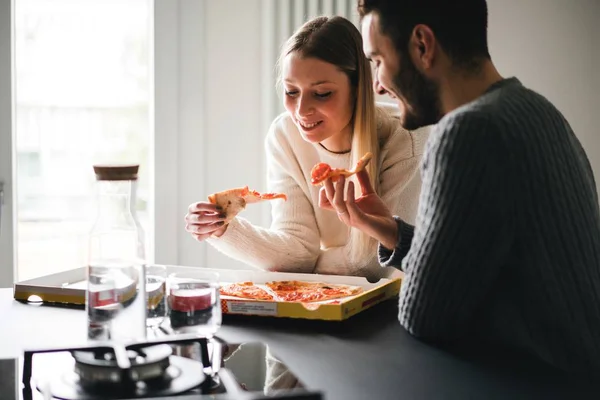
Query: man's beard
x,y
421,96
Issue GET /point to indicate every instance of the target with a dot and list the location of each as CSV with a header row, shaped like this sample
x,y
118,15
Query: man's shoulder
x,y
468,128
470,117
507,102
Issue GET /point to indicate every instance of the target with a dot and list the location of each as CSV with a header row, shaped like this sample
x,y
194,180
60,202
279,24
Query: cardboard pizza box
x,y
68,288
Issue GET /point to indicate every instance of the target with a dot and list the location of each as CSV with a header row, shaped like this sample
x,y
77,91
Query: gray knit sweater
x,y
506,246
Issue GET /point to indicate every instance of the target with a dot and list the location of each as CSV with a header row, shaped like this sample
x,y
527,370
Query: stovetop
x,y
192,368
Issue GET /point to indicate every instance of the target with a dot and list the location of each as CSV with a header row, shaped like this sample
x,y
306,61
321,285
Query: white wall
x,y
232,153
233,117
550,45
553,47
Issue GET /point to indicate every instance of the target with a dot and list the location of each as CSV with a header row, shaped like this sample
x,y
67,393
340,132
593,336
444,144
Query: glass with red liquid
x,y
194,304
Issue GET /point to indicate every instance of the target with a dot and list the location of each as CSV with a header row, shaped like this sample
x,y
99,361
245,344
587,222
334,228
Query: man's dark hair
x,y
460,26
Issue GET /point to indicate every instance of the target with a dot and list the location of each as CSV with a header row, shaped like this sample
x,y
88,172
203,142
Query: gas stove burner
x,y
182,375
154,369
105,366
124,372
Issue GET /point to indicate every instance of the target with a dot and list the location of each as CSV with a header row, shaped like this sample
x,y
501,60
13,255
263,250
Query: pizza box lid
x,y
68,288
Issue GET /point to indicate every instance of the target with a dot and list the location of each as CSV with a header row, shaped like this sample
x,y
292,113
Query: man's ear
x,y
423,45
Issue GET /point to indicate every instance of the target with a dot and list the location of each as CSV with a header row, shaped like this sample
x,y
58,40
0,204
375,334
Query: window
x,y
83,95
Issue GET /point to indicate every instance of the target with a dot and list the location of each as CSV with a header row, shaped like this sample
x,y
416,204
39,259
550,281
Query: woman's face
x,y
319,99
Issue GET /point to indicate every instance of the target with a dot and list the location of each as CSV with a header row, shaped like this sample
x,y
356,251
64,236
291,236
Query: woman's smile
x,y
309,126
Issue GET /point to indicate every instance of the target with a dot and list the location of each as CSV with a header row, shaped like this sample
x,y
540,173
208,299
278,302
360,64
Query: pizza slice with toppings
x,y
322,171
246,290
233,201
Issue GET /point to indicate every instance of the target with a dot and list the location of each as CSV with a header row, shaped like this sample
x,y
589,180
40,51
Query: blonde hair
x,y
337,41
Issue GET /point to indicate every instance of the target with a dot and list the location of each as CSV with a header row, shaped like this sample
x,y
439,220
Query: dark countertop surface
x,y
369,356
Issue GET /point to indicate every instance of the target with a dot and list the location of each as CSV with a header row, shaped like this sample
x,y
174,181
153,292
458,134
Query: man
x,y
506,247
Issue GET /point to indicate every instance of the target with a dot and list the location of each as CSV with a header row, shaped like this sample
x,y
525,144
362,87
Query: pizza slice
x,y
233,201
245,290
321,171
311,291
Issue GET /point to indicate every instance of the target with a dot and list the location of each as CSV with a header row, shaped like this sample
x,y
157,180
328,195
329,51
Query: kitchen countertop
x,y
369,356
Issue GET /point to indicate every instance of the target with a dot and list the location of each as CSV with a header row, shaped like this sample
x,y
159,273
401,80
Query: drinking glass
x,y
194,304
156,295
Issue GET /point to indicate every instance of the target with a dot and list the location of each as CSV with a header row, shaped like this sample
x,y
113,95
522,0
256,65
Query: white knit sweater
x,y
304,237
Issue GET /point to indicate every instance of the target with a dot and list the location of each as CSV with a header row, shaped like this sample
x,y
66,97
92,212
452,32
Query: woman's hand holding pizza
x,y
205,219
367,213
211,218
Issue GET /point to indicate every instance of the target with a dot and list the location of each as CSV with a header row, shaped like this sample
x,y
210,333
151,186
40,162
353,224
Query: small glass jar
x,y
116,294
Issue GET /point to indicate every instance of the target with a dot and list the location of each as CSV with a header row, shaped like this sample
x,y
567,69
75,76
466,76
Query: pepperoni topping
x,y
319,173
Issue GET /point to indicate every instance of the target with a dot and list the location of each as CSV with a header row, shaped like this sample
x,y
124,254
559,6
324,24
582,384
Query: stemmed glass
x,y
156,296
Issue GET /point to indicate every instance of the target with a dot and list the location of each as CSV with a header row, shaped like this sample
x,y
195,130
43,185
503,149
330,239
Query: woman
x,y
331,117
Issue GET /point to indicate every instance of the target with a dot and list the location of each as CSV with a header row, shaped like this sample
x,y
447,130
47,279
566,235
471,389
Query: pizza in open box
x,y
292,291
311,291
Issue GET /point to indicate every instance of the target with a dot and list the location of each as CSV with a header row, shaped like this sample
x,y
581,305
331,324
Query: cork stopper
x,y
116,172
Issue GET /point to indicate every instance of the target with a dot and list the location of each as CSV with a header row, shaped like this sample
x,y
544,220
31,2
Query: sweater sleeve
x,y
397,188
292,242
394,257
464,228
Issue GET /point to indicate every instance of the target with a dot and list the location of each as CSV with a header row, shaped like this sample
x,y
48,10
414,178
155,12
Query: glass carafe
x,y
116,295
